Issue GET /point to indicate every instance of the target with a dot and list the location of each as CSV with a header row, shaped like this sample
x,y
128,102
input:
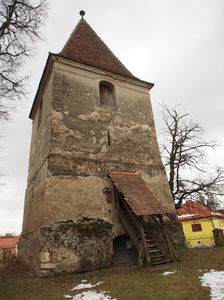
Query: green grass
x,y
129,283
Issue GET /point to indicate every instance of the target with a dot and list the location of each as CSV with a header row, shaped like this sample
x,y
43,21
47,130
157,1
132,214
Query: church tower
x,y
96,179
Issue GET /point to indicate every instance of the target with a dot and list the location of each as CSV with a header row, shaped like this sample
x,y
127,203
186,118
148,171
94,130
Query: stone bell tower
x,y
94,162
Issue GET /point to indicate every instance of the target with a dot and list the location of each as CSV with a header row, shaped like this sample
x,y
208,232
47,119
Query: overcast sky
x,y
176,44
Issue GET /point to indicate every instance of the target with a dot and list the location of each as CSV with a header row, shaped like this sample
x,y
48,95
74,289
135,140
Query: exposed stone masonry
x,y
69,246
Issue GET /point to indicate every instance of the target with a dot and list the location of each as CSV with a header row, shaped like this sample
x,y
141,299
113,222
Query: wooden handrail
x,y
131,214
129,230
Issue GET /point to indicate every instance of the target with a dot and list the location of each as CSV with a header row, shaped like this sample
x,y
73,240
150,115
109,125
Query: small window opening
x,y
196,227
107,93
108,138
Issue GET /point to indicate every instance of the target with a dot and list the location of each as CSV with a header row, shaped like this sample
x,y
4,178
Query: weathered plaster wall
x,y
38,164
29,250
73,197
158,184
62,198
70,154
70,159
39,148
34,200
80,126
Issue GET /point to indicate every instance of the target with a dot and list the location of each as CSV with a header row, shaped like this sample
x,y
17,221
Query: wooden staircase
x,y
148,248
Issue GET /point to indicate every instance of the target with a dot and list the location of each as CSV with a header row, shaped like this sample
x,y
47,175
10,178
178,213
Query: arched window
x,y
107,93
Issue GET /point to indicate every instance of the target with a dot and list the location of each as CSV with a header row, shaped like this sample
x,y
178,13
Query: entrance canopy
x,y
137,194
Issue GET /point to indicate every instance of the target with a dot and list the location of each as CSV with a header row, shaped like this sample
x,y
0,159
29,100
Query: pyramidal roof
x,y
85,46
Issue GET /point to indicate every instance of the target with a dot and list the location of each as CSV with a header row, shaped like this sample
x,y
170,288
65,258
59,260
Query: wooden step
x,y
157,262
157,256
154,251
152,245
155,259
147,242
146,238
158,267
163,262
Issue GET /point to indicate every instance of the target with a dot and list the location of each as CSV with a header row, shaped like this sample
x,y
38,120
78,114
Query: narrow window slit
x,y
108,138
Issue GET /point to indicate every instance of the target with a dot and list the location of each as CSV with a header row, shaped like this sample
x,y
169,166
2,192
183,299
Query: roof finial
x,y
82,13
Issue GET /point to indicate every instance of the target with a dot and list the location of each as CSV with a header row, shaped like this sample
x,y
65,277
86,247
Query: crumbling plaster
x,y
70,159
70,150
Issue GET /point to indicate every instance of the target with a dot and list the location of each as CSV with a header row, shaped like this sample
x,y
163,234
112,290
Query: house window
x,y
107,93
196,227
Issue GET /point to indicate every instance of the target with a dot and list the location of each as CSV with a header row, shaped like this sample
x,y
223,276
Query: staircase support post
x,y
144,244
140,257
173,253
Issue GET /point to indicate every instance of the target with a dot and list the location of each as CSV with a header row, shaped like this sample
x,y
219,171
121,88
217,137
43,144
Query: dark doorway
x,y
125,252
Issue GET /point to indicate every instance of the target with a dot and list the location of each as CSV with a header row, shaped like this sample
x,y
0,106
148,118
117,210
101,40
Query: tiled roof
x,y
8,242
195,210
86,47
136,193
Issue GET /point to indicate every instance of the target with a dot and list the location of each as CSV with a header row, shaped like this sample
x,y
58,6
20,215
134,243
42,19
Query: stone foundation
x,y
68,247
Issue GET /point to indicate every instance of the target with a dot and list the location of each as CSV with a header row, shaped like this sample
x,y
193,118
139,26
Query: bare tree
x,y
20,23
184,154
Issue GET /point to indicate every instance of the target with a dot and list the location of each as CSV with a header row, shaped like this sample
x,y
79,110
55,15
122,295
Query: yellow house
x,y
198,223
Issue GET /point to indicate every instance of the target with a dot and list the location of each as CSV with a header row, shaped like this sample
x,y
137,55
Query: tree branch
x,y
183,150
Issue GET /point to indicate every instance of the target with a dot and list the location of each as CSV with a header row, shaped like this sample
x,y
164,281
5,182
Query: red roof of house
x,y
195,210
86,47
137,194
8,242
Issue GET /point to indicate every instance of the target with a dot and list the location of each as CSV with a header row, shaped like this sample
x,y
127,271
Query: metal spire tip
x,y
82,13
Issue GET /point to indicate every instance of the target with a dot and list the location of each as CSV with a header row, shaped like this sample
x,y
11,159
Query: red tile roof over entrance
x,y
136,193
8,242
195,210
86,47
